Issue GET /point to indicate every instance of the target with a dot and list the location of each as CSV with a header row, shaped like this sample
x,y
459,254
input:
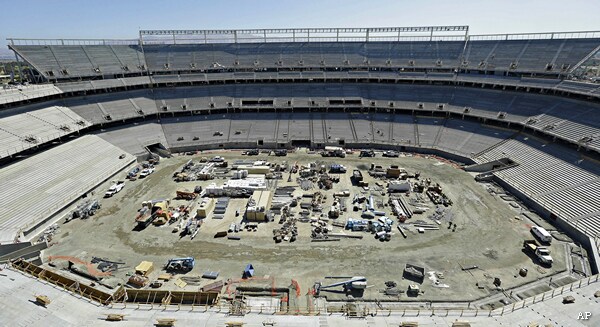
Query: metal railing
x,y
536,36
425,33
431,310
27,41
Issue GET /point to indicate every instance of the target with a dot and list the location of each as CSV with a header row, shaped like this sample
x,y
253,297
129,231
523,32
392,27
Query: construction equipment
x,y
115,317
280,152
357,282
150,211
144,217
366,153
334,151
186,195
337,168
165,322
85,209
180,264
42,300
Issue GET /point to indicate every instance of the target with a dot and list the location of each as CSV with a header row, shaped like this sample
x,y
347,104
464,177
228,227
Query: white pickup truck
x,y
146,172
114,189
542,253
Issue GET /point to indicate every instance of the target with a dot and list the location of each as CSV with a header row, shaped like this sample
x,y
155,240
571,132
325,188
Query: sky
x,y
123,18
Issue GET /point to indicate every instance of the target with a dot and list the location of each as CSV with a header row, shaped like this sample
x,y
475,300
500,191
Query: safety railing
x,y
536,36
26,41
401,309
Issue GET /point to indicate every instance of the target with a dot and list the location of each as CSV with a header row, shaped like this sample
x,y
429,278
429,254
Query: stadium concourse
x,y
92,106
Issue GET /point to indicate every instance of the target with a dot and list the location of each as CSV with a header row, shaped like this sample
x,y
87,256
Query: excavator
x,y
180,264
357,283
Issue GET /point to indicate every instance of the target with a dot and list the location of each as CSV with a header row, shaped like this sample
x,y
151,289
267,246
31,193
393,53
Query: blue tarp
x,y
248,271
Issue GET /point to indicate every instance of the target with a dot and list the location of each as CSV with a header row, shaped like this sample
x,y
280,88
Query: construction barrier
x,y
68,284
165,297
121,295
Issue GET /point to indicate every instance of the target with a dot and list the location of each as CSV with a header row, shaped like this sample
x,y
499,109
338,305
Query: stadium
x,y
507,125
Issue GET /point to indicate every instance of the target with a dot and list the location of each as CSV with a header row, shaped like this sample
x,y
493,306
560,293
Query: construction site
x,y
301,176
305,231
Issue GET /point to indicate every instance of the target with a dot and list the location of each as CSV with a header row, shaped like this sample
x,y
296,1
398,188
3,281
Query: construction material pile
x,y
437,196
282,197
84,209
288,232
326,181
195,171
380,228
49,233
320,229
400,208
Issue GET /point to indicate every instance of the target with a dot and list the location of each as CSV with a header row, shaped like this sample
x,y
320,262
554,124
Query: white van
x,y
541,234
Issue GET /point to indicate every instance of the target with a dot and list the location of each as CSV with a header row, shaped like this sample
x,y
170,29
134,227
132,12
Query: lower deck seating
x,y
39,186
555,177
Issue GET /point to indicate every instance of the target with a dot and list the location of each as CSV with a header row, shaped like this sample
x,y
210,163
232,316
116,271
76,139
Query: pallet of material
x,y
234,237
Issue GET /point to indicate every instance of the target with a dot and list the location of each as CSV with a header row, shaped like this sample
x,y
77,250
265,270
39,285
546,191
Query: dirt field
x,y
488,235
